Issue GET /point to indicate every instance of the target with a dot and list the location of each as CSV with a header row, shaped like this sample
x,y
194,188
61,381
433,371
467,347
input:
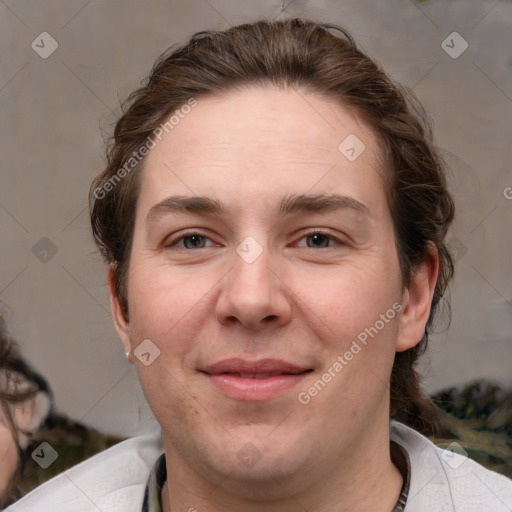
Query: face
x,y
8,454
273,304
26,417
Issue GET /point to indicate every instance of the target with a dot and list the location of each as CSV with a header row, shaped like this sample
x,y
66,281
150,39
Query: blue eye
x,y
196,241
192,241
318,240
313,240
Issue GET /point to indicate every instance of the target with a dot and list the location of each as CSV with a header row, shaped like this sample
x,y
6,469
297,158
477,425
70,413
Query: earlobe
x,y
121,324
417,301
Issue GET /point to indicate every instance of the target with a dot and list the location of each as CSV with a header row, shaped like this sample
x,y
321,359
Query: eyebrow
x,y
288,205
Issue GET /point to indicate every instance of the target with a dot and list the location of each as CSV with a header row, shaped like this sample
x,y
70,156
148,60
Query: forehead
x,y
256,137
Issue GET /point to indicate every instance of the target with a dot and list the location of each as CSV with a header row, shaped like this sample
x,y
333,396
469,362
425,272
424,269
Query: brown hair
x,y
8,356
13,369
289,53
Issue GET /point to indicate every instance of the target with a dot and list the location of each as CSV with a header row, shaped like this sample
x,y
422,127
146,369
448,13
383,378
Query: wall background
x,y
54,110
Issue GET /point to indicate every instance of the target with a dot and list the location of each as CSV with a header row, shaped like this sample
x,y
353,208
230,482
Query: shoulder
x,y
445,480
111,481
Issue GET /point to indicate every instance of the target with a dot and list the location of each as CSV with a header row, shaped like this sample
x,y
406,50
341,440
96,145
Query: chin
x,y
268,479
260,453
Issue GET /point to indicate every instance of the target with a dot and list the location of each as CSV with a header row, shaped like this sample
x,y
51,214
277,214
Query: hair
x,y
287,54
13,368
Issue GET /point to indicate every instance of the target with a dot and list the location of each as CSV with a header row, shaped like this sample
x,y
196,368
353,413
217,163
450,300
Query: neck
x,y
364,478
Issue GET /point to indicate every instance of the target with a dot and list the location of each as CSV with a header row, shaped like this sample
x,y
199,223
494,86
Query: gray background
x,y
54,112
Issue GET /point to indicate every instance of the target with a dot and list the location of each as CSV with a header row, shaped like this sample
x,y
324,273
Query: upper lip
x,y
237,365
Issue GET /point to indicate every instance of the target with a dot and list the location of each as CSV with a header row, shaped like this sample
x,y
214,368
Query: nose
x,y
254,294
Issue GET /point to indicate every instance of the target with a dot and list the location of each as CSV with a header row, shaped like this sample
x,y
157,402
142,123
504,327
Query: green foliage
x,y
479,418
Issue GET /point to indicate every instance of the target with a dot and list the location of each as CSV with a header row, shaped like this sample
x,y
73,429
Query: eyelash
x,y
173,243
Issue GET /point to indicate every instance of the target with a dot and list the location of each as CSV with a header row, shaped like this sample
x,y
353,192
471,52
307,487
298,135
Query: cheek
x,y
163,303
173,399
344,302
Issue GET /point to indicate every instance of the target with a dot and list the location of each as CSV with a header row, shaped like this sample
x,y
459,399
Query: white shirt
x,y
444,481
115,480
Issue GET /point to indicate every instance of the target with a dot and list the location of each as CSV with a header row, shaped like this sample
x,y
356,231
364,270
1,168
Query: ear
x,y
121,325
417,301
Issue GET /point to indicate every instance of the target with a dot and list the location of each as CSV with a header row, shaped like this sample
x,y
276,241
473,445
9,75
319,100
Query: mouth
x,y
254,381
260,375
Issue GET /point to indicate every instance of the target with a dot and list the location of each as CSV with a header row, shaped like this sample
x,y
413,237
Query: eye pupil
x,y
196,241
315,240
319,240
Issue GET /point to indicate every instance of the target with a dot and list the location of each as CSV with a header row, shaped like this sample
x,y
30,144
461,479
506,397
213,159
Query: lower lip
x,y
239,388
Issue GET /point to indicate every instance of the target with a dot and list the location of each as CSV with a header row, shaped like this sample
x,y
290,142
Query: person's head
x,y
264,120
9,453
25,401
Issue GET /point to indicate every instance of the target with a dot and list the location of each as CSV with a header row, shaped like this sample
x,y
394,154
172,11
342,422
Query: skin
x,y
299,301
26,416
8,454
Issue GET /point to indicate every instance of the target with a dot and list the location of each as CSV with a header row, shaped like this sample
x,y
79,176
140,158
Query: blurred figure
x,y
25,403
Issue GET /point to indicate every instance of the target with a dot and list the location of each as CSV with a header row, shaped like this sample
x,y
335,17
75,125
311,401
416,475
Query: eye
x,y
191,241
318,240
313,240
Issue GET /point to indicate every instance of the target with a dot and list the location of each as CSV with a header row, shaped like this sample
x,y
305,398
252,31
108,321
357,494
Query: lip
x,y
243,380
237,365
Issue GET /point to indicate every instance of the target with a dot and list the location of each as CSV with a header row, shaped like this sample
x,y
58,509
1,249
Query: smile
x,y
254,381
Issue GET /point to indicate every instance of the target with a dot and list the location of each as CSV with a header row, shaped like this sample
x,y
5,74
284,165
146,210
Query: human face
x,y
8,454
256,158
